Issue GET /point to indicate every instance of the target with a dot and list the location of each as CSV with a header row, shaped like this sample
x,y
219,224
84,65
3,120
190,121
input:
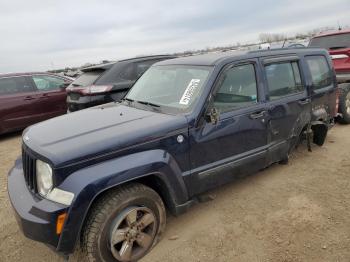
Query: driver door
x,y
237,144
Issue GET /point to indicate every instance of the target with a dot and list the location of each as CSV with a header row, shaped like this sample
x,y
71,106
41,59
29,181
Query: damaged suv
x,y
102,178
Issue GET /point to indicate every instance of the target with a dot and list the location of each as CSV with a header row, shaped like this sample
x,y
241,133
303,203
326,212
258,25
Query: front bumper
x,y
36,216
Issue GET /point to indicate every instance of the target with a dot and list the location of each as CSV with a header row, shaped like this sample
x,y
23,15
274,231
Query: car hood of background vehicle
x,y
98,130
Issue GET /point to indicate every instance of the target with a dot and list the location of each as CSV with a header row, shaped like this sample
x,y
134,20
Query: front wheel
x,y
124,224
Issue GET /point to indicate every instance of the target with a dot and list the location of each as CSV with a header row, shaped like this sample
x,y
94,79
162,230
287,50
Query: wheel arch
x,y
153,181
156,169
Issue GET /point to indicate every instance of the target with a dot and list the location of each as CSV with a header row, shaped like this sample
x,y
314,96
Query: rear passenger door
x,y
289,104
51,94
18,103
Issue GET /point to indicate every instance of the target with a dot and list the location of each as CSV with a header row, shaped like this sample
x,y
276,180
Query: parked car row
x,y
29,98
102,178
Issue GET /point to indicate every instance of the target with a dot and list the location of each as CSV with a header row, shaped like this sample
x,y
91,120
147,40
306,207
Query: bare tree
x,y
269,38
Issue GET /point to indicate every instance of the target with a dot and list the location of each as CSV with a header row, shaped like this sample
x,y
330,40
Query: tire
x,y
344,104
132,217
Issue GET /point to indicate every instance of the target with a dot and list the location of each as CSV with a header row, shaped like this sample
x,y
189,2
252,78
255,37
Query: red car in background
x,y
338,45
28,98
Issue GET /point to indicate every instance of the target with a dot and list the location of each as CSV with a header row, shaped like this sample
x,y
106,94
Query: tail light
x,y
90,90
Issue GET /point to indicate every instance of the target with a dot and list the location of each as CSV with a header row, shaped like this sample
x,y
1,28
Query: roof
x,y
206,59
32,73
333,32
216,58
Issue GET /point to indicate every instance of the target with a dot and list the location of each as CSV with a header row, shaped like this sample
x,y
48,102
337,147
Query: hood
x,y
97,131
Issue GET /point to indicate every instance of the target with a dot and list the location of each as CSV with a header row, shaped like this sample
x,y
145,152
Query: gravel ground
x,y
297,212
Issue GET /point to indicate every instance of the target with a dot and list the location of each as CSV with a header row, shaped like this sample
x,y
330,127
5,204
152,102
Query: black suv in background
x,y
81,85
110,84
90,75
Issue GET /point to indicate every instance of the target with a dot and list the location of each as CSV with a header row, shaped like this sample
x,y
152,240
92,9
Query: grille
x,y
29,170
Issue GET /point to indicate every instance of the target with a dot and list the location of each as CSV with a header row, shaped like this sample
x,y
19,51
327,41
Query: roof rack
x,y
278,49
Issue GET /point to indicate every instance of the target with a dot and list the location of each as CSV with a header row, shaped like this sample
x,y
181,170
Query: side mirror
x,y
212,116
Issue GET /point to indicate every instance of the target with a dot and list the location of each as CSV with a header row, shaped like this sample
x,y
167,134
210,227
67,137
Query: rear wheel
x,y
344,104
124,225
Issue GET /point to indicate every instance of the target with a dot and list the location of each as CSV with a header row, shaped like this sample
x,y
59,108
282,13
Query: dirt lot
x,y
298,212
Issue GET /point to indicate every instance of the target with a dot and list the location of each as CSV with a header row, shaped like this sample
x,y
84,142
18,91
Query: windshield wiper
x,y
148,103
127,99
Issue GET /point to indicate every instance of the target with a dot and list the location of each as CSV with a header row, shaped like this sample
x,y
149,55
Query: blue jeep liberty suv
x,y
102,178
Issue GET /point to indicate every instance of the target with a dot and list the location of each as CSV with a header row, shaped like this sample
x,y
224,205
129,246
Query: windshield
x,y
331,41
173,87
87,78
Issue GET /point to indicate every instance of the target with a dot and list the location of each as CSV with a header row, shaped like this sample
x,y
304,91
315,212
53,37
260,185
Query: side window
x,y
14,85
48,83
283,79
238,88
321,74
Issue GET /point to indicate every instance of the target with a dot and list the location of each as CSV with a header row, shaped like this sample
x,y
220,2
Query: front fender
x,y
90,182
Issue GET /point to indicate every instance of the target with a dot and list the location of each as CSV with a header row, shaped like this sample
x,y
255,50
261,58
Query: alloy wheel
x,y
132,233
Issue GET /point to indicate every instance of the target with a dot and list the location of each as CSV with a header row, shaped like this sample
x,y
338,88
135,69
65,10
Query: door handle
x,y
257,115
44,96
29,98
304,101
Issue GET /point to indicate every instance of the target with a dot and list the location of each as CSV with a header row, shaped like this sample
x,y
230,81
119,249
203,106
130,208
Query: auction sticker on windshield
x,y
191,88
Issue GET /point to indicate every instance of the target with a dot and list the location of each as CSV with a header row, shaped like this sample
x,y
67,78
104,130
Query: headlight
x,y
43,177
45,185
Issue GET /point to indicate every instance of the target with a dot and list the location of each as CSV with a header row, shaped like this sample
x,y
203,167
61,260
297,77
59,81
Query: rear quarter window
x,y
321,74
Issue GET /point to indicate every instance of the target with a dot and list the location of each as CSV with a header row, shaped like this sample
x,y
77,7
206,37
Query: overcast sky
x,y
42,35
